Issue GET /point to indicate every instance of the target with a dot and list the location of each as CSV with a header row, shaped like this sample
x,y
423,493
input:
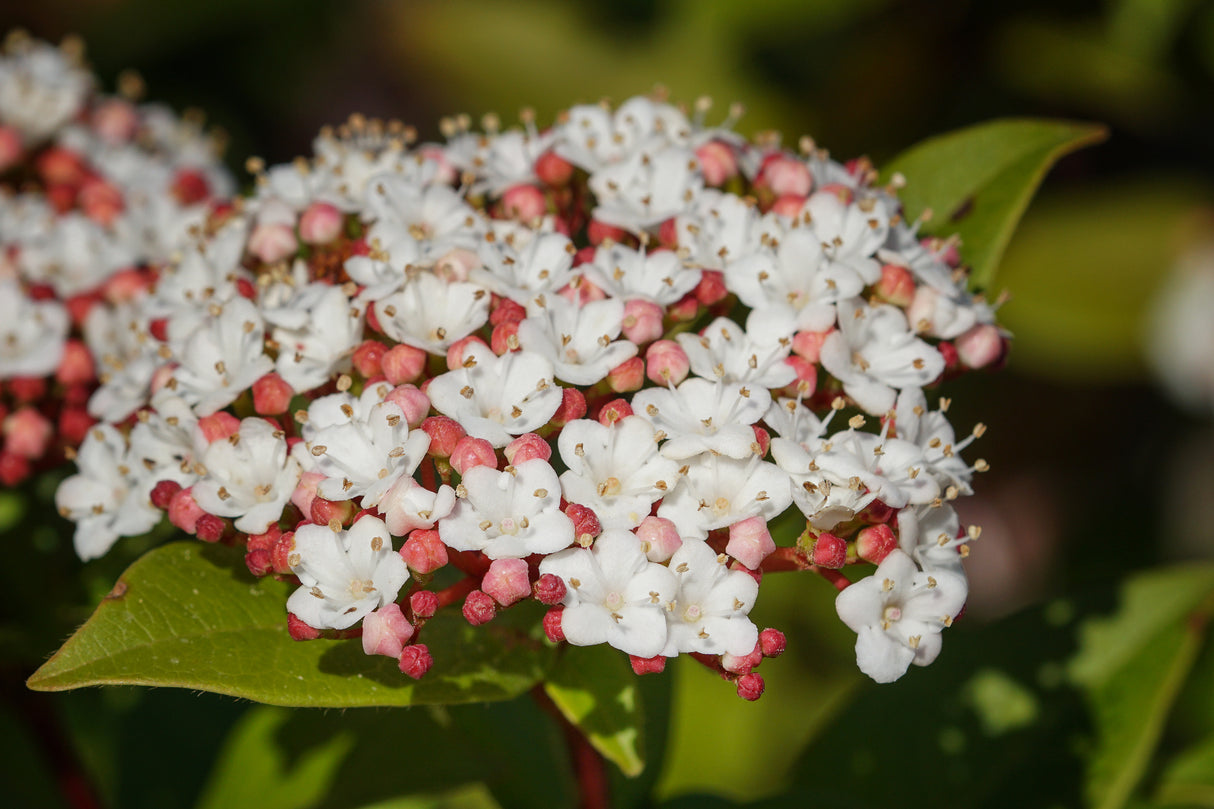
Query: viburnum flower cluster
x,y
95,192
589,366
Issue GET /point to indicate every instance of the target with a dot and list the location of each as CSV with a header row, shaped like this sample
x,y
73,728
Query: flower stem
x,y
589,768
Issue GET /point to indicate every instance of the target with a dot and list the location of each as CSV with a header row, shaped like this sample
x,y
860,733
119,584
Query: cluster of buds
x,y
587,366
95,192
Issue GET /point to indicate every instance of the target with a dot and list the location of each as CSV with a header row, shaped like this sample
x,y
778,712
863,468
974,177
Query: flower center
x,y
509,526
892,613
614,601
610,487
361,588
721,506
692,613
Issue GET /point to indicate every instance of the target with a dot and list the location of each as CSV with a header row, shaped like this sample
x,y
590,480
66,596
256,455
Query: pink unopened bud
x,y
456,353
808,344
271,242
763,439
598,232
507,581
424,552
444,434
423,604
210,528
320,223
875,542
504,338
784,174
613,411
829,551
586,524
980,346
479,608
74,424
471,452
750,686
666,363
711,288
684,309
259,562
59,165
218,426
416,660
717,162
742,664
553,169
10,147
790,205
163,492
13,468
367,358
300,630
642,321
897,285
115,120
76,366
841,192
455,265
100,201
403,363
413,403
949,351
876,512
552,624
647,665
659,538
272,395
190,186
184,511
549,589
772,642
25,389
806,381
573,407
750,542
386,631
305,491
328,512
27,433
628,376
524,203
506,311
527,447
280,553
266,539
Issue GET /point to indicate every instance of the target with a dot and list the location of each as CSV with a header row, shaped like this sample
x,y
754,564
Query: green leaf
x,y
1189,779
595,689
978,181
191,616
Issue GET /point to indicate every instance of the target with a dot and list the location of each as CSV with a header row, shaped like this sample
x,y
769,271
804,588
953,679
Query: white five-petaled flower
x,y
496,398
613,594
717,491
344,575
646,189
616,471
580,341
703,416
509,514
933,537
32,333
631,273
931,431
519,268
754,356
431,314
898,614
316,332
249,476
710,608
223,357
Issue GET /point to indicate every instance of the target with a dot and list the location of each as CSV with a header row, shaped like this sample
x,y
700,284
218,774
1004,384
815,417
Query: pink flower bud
x,y
74,424
750,686
328,512
806,381
763,439
457,350
897,285
218,426
507,581
659,538
271,395
280,553
742,664
527,447
412,403
772,642
711,288
951,359
876,512
271,242
61,166
573,407
184,512
504,338
524,203
506,311
647,665
685,309
479,608
163,492
613,411
642,321
628,376
27,433
424,552
259,562
829,551
750,542
581,291
717,162
26,389
598,232
423,604
100,201
61,197
444,434
13,468
386,631
790,205
115,120
552,624
210,528
299,630
549,589
402,363
190,187
586,525
416,660
320,223
126,285
980,346
367,358
785,174
875,542
553,169
808,344
472,452
666,363
265,540
305,491
10,147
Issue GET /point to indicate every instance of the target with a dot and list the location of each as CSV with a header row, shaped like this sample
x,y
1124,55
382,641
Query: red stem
x,y
589,768
785,559
456,591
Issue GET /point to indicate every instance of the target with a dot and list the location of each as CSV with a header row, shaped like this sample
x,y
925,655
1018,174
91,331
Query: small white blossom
x,y
718,491
646,189
223,357
249,476
41,88
579,341
408,505
754,356
541,265
32,333
702,416
316,333
933,537
510,514
431,314
628,273
711,605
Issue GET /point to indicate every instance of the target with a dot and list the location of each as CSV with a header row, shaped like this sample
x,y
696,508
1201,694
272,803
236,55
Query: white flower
x,y
709,613
433,213
316,333
249,476
933,537
222,358
873,352
344,575
509,514
717,491
702,416
616,470
579,341
722,228
593,137
646,189
754,356
32,333
628,273
932,433
495,398
409,505
613,594
74,255
541,265
898,614
364,455
41,88
108,497
431,314
850,232
945,315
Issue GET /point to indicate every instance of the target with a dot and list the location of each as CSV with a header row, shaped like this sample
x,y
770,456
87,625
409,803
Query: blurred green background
x,y
1096,474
